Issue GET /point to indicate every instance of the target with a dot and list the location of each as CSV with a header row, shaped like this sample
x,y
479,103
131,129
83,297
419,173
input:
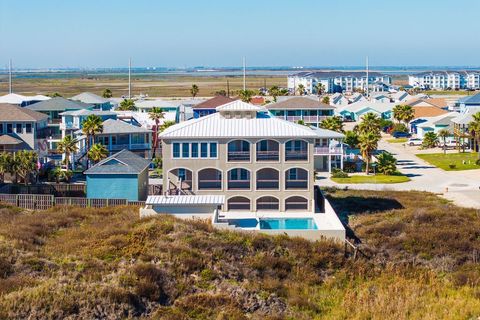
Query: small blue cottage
x,y
123,175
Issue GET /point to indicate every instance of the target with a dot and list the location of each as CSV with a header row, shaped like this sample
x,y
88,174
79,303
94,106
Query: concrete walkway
x,y
462,187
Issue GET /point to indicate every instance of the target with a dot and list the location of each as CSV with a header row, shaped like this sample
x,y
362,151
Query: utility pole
x,y
244,75
10,76
228,89
367,91
130,78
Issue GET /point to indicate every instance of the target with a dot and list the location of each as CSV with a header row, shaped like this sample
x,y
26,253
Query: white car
x,y
414,142
452,144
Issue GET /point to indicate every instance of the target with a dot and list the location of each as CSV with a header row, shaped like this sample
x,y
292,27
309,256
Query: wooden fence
x,y
56,189
46,201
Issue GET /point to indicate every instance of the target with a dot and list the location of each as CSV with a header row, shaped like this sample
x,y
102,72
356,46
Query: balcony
x,y
214,184
69,126
268,155
294,118
296,184
238,155
133,146
301,155
238,184
327,150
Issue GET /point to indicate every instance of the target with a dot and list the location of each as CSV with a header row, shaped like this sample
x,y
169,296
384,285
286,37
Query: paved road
x,y
462,187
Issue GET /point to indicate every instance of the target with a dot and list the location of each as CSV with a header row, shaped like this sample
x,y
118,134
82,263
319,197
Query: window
x,y
213,150
18,128
1,128
182,174
194,150
185,150
204,150
114,139
292,174
176,150
28,128
9,128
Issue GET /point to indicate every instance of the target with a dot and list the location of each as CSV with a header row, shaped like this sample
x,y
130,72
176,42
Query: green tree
x,y
246,95
334,123
25,164
221,92
156,114
444,134
67,146
351,138
326,100
91,126
194,90
320,88
5,164
54,95
97,152
474,127
274,92
430,140
386,164
368,142
403,113
127,105
301,89
166,124
370,123
107,93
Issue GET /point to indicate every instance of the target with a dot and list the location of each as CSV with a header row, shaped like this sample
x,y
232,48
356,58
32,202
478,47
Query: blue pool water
x,y
288,224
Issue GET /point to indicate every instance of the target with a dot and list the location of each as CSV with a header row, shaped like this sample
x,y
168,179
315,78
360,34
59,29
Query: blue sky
x,y
104,33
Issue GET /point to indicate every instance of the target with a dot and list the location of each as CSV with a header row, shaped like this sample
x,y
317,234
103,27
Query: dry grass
x,y
107,263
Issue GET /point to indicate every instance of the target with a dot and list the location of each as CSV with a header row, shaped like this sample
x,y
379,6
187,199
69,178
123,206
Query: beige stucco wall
x,y
221,164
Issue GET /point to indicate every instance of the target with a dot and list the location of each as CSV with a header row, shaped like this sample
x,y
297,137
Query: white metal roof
x,y
360,105
159,103
14,98
239,105
217,126
185,200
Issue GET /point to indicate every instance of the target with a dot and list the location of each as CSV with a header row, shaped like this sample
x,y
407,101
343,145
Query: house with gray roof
x,y
123,175
91,98
468,102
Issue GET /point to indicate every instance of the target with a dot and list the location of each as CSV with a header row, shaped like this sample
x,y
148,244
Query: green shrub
x,y
386,164
452,165
337,173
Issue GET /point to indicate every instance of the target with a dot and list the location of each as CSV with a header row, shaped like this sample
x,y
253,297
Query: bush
x,y
452,165
349,167
386,164
477,162
399,127
337,173
430,140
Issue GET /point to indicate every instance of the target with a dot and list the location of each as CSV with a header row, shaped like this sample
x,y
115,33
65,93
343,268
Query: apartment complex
x,y
257,161
443,80
338,81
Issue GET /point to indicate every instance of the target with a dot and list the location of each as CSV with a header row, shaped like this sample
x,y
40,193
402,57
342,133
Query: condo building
x,y
443,80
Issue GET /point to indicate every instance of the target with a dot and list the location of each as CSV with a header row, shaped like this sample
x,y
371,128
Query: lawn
x,y
449,92
379,178
444,161
399,140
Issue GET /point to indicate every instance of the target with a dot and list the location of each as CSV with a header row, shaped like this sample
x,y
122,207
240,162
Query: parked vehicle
x,y
451,144
414,142
399,134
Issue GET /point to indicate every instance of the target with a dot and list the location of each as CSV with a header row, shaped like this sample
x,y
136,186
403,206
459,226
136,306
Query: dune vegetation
x,y
419,259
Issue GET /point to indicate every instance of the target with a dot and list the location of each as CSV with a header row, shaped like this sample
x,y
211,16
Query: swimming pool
x,y
288,224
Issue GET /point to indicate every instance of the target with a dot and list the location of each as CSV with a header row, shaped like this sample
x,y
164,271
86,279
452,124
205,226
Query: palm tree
x,y
194,90
156,114
107,93
370,124
326,100
334,123
25,163
274,92
474,127
166,124
127,105
368,142
444,134
320,88
398,113
5,164
246,95
97,152
67,146
301,89
90,127
408,114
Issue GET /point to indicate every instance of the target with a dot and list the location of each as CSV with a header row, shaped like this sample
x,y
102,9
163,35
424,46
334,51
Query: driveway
x,y
462,187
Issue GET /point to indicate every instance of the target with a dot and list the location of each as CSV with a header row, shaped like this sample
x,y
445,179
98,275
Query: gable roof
x,y
113,126
444,119
159,103
58,104
475,99
86,112
123,162
213,102
9,140
15,98
10,112
428,112
299,103
361,105
239,105
88,97
217,126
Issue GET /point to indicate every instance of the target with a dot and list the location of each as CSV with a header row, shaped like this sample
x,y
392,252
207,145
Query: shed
x,y
123,175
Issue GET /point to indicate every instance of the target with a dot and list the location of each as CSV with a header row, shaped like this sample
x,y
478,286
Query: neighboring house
x,y
21,100
89,98
356,97
308,110
400,96
423,114
209,106
443,80
428,102
257,161
336,81
461,128
338,100
143,118
53,108
380,97
22,128
356,110
123,175
436,124
146,106
468,102
72,121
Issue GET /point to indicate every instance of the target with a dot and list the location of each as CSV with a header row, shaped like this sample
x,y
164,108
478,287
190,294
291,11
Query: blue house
x,y
468,102
208,107
123,175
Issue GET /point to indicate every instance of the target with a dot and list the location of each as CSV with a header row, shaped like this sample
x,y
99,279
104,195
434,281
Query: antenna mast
x,y
244,75
367,91
10,76
130,78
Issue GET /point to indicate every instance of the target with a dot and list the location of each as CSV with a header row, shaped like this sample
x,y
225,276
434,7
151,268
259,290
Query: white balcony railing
x,y
328,150
132,146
